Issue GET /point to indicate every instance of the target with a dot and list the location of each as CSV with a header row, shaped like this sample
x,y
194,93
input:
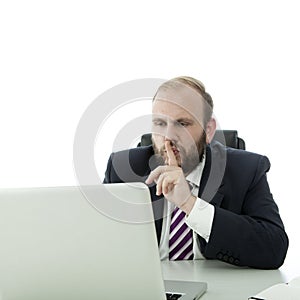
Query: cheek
x,y
188,138
196,135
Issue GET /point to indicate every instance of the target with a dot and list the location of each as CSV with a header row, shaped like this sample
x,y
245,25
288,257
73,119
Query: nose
x,y
171,133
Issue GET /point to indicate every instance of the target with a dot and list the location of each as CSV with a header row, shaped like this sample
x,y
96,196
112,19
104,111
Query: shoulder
x,y
129,165
239,158
134,155
241,164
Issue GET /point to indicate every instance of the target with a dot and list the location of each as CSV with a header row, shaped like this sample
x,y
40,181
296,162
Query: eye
x,y
183,123
159,123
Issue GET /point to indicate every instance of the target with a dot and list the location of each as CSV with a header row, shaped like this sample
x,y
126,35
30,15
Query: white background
x,y
56,57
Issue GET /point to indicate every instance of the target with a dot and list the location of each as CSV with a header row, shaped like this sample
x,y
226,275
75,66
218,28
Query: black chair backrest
x,y
231,139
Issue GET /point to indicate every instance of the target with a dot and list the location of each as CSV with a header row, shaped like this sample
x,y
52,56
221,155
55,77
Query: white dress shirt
x,y
199,220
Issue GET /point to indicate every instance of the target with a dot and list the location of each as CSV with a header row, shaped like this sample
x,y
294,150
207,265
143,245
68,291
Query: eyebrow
x,y
159,119
187,120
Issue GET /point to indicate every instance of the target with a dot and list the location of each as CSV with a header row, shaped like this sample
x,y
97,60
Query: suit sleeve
x,y
253,237
107,178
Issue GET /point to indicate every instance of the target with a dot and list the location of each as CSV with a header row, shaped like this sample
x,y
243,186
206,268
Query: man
x,y
218,203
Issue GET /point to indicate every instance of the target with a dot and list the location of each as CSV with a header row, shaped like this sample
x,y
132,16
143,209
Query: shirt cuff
x,y
201,217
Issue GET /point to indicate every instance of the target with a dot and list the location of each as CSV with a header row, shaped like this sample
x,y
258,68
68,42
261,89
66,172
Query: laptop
x,y
68,243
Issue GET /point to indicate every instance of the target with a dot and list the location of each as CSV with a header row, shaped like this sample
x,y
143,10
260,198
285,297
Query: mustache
x,y
158,159
173,145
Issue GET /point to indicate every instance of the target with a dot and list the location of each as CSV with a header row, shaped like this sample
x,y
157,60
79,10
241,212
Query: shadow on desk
x,y
224,281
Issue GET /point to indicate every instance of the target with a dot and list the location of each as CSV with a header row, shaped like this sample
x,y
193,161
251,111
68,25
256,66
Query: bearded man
x,y
209,201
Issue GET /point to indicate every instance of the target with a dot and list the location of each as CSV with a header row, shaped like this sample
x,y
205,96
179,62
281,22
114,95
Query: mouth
x,y
175,150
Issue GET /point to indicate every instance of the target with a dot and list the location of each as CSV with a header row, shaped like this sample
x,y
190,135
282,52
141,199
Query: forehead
x,y
162,108
178,102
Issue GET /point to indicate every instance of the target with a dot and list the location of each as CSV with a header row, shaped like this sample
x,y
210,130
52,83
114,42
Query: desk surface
x,y
224,281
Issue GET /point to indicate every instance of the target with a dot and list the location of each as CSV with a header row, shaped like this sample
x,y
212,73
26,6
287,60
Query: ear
x,y
210,130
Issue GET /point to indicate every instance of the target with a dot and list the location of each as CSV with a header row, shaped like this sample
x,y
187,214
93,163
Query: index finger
x,y
172,161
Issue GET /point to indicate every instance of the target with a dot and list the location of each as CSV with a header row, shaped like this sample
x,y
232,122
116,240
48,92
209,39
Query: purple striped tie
x,y
181,237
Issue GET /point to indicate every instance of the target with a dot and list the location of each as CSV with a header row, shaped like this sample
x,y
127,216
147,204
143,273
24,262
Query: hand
x,y
170,181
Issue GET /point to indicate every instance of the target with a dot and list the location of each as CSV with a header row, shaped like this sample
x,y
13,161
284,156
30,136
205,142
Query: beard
x,y
187,158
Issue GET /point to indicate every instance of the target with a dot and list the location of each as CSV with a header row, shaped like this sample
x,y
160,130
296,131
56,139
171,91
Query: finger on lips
x,y
170,154
164,183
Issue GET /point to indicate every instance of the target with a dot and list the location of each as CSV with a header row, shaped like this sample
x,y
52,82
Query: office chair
x,y
231,139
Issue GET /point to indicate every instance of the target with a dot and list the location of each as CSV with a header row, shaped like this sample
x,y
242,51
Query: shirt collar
x,y
195,176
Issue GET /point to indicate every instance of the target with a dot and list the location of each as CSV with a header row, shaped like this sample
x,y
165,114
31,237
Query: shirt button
x,y
220,256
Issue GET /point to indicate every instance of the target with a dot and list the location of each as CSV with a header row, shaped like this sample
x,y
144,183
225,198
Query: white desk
x,y
224,281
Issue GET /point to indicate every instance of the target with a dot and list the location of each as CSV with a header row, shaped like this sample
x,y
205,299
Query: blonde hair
x,y
195,84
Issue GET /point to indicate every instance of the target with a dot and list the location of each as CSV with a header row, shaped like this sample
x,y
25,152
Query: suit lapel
x,y
206,171
204,190
211,182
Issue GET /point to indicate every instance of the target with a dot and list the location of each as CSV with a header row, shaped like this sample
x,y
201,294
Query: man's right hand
x,y
170,181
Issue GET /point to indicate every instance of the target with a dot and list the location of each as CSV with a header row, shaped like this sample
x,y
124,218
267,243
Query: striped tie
x,y
181,237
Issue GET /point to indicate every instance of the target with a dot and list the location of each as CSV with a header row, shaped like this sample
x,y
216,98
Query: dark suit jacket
x,y
247,229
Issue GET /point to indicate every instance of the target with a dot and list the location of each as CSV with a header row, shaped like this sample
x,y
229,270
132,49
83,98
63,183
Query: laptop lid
x,y
67,243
